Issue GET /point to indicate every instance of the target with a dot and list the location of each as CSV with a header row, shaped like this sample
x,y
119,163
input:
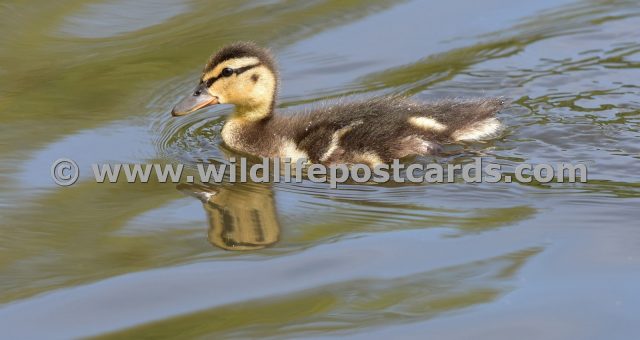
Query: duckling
x,y
372,131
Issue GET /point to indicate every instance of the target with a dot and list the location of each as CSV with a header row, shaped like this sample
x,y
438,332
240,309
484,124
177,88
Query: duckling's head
x,y
242,74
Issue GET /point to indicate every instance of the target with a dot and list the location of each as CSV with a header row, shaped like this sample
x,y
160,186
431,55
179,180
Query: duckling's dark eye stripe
x,y
237,71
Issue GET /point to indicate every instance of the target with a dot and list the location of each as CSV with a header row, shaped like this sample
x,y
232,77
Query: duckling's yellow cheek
x,y
219,90
235,91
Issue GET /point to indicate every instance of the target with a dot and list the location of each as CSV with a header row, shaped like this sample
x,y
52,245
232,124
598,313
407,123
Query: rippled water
x,y
95,80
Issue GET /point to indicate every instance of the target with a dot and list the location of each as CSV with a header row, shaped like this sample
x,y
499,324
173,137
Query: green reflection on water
x,y
571,71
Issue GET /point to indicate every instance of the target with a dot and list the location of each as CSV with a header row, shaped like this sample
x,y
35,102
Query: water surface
x,y
95,80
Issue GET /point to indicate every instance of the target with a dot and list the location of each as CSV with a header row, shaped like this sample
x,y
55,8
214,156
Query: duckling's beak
x,y
199,99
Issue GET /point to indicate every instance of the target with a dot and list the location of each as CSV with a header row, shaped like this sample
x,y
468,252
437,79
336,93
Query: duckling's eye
x,y
226,72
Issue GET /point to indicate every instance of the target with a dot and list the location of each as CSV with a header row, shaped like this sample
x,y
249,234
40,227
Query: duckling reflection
x,y
241,216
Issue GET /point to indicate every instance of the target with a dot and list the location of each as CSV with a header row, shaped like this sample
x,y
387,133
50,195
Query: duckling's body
x,y
371,132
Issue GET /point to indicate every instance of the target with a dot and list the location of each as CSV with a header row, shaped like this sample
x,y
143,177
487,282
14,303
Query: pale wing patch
x,y
369,158
480,130
232,63
427,124
288,149
335,140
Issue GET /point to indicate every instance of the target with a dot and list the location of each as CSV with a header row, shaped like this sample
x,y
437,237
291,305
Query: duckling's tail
x,y
485,125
